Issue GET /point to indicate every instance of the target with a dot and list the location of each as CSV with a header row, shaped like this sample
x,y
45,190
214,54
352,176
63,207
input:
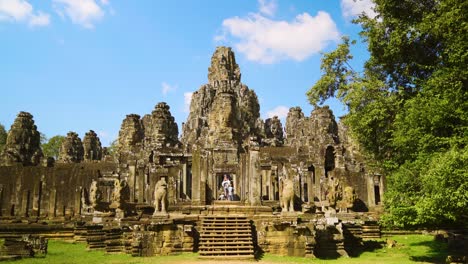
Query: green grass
x,y
409,249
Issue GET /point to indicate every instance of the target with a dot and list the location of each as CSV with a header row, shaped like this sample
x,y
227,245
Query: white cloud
x,y
106,138
166,88
267,41
82,12
353,8
280,111
22,11
102,134
267,7
187,101
41,19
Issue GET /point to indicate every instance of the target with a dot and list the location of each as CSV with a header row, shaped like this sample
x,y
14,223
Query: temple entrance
x,y
329,160
225,187
185,184
377,194
376,181
269,185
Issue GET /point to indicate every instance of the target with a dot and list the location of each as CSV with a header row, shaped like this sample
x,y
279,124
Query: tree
x,y
3,137
112,149
52,147
408,108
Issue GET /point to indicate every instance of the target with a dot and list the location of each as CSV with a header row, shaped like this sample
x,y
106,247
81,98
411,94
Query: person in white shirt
x,y
225,185
230,193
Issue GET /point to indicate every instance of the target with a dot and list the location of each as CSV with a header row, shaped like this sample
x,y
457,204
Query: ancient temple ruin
x,y
298,189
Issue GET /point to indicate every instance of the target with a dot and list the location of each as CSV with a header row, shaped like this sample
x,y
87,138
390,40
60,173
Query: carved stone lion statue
x,y
287,196
160,195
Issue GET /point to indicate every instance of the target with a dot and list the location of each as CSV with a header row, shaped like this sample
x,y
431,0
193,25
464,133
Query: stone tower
x,y
72,149
23,142
224,111
92,146
131,134
160,127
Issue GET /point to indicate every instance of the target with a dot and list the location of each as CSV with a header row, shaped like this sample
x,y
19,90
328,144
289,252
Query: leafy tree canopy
x,y
408,108
52,147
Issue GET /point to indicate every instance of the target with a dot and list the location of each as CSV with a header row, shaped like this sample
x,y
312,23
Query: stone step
x,y
226,252
226,235
225,219
218,238
225,230
226,248
226,224
229,257
227,243
235,226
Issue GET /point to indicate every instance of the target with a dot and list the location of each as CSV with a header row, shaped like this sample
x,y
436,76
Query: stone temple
x,y
299,189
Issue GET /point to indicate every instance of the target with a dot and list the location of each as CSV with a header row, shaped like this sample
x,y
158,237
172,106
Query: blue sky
x,y
78,65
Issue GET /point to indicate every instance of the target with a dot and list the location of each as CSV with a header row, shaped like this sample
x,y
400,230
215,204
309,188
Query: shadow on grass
x,y
258,251
437,252
367,246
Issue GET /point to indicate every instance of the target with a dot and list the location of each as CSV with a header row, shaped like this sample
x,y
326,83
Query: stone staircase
x,y
95,237
114,242
226,237
370,230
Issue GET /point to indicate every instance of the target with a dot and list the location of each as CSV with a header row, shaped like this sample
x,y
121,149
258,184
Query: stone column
x,y
196,177
255,174
132,182
53,203
310,186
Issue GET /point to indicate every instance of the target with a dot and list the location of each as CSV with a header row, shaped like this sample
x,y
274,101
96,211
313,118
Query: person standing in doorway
x,y
225,185
230,193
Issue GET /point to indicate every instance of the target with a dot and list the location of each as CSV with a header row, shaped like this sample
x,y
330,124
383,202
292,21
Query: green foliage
x,y
408,108
3,137
337,74
43,138
444,188
52,147
112,149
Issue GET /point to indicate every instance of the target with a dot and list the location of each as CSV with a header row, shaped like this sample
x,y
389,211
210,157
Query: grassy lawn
x,y
409,249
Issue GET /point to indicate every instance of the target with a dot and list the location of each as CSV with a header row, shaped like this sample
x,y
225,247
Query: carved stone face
x,y
275,127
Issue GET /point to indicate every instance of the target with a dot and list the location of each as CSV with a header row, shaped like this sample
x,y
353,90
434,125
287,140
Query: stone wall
x,y
165,239
327,153
46,191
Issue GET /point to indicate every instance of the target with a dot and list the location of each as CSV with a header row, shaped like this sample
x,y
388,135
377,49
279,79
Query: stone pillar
x,y
319,176
26,203
140,184
132,182
203,178
255,174
196,177
53,203
210,177
182,184
370,190
310,186
77,200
